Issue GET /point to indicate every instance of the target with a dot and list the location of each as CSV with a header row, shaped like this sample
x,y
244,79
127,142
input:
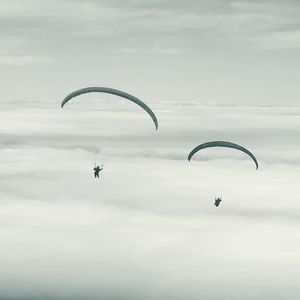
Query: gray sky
x,y
220,51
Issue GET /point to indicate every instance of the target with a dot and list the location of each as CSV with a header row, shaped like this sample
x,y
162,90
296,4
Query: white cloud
x,y
163,51
23,60
148,223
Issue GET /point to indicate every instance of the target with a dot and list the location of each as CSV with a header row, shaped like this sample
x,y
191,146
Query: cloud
x,y
147,229
239,50
23,60
244,23
166,51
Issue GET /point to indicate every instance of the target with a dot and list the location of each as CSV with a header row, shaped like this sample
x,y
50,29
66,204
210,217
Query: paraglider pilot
x,y
217,201
97,170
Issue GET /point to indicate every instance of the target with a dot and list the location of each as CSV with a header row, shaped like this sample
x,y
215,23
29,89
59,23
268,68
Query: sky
x,y
148,228
221,51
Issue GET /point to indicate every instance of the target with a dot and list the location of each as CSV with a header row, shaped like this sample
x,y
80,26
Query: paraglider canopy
x,y
223,144
113,92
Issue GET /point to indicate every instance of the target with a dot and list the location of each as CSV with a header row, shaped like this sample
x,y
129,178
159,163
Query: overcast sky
x,y
148,229
210,50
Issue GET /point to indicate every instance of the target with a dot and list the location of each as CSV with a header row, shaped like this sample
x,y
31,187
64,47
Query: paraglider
x,y
97,170
218,201
223,144
226,145
113,92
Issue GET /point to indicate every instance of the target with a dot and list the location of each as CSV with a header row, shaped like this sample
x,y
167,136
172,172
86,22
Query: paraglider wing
x,y
222,144
113,92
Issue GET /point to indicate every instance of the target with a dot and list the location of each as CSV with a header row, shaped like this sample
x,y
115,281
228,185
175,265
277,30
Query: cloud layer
x,y
148,228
